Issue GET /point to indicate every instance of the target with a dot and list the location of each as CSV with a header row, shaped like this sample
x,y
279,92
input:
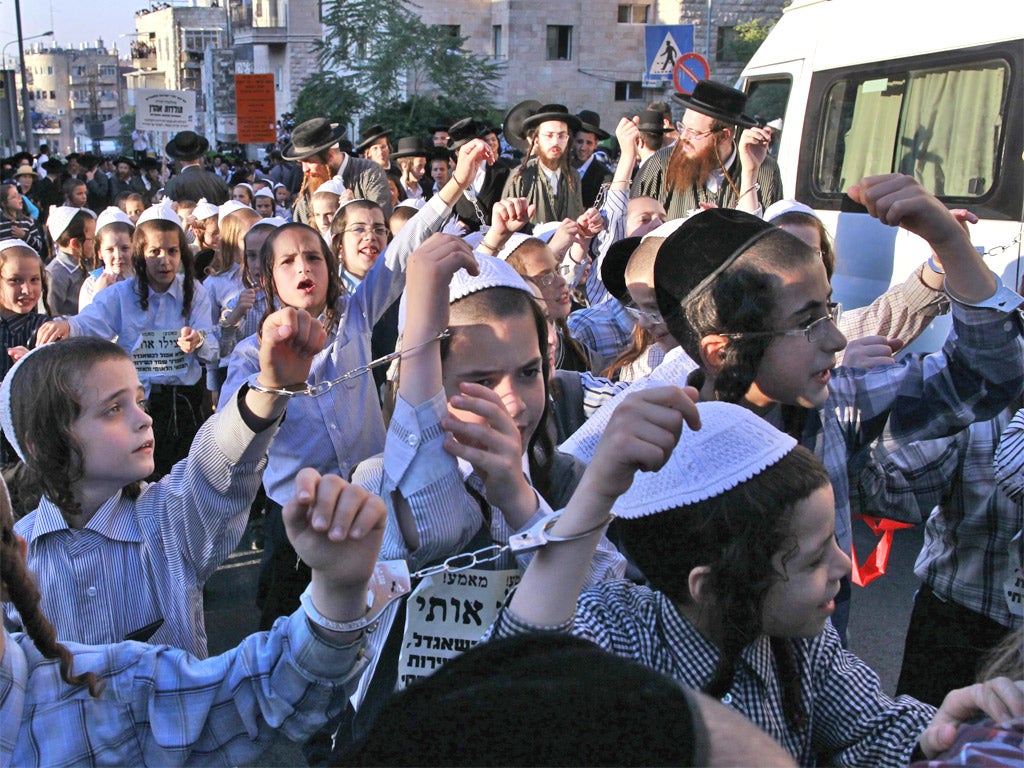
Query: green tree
x,y
395,66
124,133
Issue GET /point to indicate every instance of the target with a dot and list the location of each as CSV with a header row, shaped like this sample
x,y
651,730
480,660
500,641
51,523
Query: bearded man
x,y
707,167
314,145
545,178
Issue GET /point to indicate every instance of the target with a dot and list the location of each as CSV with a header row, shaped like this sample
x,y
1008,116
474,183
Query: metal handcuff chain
x,y
391,579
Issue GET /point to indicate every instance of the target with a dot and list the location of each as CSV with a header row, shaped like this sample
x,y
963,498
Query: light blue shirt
x,y
336,431
116,314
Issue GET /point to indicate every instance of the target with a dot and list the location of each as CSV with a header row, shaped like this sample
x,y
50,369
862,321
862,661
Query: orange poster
x,y
254,105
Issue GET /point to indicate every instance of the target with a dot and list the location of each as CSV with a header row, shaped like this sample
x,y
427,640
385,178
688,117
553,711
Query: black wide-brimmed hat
x,y
690,259
591,123
412,146
613,266
465,130
652,121
718,101
370,136
187,145
548,112
512,126
311,138
127,160
53,166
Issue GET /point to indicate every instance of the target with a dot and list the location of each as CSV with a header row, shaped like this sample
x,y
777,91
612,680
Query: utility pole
x,y
30,144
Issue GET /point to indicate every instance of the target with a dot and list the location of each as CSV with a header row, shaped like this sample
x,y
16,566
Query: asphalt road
x,y
879,615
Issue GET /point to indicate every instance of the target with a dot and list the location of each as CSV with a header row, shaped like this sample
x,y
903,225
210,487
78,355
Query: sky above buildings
x,y
72,21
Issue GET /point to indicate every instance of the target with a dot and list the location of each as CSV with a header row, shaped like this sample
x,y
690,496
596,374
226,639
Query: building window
x,y
108,70
633,14
629,90
49,70
496,41
559,43
452,30
78,71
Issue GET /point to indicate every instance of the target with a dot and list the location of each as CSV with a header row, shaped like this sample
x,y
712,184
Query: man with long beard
x,y
707,166
545,178
314,145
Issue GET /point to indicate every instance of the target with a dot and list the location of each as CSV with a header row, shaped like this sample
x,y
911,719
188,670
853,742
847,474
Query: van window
x,y
767,97
943,126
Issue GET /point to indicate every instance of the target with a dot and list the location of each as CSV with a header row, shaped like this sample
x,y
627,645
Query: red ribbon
x,y
876,562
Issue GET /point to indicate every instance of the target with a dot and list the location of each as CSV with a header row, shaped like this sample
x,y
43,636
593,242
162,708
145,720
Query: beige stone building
x,y
590,54
76,95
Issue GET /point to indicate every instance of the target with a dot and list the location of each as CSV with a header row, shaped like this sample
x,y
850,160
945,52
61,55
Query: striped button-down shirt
x,y
139,561
164,707
850,720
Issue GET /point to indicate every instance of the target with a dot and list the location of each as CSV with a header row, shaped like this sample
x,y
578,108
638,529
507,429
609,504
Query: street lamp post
x,y
9,43
29,141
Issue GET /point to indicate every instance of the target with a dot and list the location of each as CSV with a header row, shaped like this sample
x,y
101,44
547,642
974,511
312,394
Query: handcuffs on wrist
x,y
391,579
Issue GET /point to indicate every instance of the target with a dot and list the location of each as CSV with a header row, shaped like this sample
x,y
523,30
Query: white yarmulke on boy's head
x,y
204,209
782,207
515,240
6,416
331,187
666,229
494,273
412,202
14,242
264,192
112,214
230,207
733,445
546,230
164,211
271,221
60,217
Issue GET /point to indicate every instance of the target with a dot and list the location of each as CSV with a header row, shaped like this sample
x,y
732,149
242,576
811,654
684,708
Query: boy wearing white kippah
x,y
73,231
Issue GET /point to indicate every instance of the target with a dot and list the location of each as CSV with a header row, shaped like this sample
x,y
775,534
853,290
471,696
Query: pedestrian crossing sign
x,y
664,45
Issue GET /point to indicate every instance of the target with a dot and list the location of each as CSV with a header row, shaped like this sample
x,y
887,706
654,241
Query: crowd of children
x,y
162,370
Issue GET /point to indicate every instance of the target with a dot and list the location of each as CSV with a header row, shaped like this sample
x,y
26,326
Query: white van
x,y
931,88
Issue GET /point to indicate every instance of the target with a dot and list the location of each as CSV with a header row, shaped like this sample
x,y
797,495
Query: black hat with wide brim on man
x,y
371,136
311,138
412,146
512,126
719,102
552,113
590,122
187,145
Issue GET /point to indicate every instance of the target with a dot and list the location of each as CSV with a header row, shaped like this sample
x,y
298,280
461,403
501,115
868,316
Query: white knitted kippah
x,y
781,207
205,209
733,445
515,240
60,217
494,273
264,192
6,416
13,242
230,207
333,186
273,221
163,211
110,215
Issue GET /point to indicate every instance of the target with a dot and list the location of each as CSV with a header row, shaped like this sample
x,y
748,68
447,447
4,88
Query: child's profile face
x,y
21,284
809,568
163,257
116,252
300,270
541,268
649,316
503,355
795,371
322,208
113,430
364,239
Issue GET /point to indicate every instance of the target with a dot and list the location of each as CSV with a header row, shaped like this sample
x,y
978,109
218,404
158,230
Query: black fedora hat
x,y
311,138
187,145
146,163
513,128
370,136
690,259
548,112
126,160
718,101
652,121
465,130
53,165
412,146
613,266
591,123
